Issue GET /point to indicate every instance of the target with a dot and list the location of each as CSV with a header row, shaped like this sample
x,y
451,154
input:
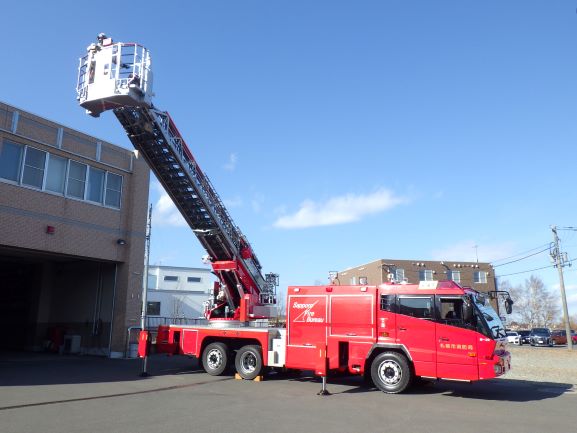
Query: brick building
x,y
479,276
72,233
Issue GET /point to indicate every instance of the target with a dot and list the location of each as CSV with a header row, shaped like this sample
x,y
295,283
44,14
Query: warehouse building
x,y
177,294
72,234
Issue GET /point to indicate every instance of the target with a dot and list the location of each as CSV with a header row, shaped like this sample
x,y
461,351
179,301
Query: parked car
x,y
513,337
540,337
559,336
524,337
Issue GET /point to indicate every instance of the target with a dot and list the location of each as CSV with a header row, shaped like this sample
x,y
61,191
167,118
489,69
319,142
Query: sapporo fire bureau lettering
x,y
457,346
306,315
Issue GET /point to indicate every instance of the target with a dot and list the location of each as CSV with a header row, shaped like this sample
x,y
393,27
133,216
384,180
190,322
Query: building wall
x,y
81,229
377,272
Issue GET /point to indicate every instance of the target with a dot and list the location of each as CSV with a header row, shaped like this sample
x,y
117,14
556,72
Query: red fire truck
x,y
391,333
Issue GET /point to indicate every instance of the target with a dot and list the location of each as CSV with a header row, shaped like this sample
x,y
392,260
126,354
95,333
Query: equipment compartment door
x,y
352,316
189,341
307,331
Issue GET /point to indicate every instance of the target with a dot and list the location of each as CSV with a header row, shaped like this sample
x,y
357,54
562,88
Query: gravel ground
x,y
543,364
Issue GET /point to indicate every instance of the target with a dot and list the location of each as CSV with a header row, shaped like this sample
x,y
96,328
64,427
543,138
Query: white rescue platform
x,y
113,75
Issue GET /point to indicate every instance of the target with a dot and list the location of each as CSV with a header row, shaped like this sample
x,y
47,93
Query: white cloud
x,y
339,210
439,195
164,212
231,163
233,202
465,251
257,202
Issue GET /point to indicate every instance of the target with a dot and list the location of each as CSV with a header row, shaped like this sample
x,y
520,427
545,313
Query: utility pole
x,y
560,260
144,373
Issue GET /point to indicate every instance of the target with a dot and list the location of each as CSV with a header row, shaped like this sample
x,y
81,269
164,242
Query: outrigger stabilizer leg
x,y
323,390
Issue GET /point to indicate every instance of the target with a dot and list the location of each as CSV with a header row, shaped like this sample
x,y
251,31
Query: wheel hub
x,y
248,362
214,359
390,372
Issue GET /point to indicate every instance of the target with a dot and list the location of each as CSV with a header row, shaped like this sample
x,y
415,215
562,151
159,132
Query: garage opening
x,y
55,303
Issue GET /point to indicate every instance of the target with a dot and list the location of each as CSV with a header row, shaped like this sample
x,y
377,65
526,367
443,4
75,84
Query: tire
x,y
215,358
248,362
390,372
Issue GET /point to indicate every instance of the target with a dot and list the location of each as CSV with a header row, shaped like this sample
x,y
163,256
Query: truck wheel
x,y
248,362
215,358
390,372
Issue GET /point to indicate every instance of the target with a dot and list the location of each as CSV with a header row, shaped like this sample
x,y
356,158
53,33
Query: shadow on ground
x,y
495,390
26,369
29,369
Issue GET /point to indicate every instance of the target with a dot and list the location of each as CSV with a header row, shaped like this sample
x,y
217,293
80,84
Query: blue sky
x,y
341,132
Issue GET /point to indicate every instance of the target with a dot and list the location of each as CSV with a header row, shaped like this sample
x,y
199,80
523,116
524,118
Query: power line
x,y
519,254
522,258
531,270
524,272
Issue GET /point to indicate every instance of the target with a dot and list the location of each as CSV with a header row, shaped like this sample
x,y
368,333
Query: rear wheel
x,y
390,372
215,358
248,362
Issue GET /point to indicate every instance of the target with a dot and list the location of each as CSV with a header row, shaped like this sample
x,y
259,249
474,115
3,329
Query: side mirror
x,y
467,310
509,305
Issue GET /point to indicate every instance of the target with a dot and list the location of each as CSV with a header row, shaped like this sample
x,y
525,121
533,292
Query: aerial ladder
x,y
118,77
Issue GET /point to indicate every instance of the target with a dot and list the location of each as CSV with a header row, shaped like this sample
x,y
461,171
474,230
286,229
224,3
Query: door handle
x,y
351,334
443,339
402,329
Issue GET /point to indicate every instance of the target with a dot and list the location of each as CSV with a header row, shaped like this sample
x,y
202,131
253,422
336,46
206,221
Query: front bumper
x,y
497,366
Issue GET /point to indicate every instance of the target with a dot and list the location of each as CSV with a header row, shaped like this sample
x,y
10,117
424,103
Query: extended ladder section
x,y
109,78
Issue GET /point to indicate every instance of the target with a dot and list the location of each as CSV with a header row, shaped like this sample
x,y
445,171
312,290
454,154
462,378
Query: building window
x,y
170,278
34,163
363,281
152,281
113,190
353,281
43,170
95,187
480,277
10,160
56,174
454,276
76,180
425,275
194,279
399,274
421,308
153,308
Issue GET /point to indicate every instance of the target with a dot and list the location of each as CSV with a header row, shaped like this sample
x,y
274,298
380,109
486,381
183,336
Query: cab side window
x,y
451,311
389,303
420,307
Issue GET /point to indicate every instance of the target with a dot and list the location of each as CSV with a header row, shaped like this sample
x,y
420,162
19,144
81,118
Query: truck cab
x,y
445,331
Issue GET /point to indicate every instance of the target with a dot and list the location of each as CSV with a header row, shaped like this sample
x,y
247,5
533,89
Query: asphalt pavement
x,y
50,393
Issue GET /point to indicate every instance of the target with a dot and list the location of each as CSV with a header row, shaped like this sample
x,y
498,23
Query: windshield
x,y
489,316
541,331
